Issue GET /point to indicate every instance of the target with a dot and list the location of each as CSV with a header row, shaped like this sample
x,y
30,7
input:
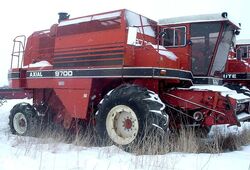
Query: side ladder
x,y
18,51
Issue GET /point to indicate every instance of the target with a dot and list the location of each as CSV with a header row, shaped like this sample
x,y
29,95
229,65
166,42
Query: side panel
x,y
40,47
75,101
150,56
92,43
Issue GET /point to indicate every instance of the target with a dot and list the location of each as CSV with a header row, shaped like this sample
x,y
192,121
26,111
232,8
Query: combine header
x,y
124,73
9,93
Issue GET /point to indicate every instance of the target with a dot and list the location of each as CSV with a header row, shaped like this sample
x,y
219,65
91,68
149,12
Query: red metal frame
x,y
9,93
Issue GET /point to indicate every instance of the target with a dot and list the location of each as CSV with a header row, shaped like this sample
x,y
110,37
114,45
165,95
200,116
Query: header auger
x,y
125,73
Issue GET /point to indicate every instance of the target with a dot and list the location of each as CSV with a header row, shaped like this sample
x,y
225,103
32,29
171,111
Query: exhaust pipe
x,y
63,16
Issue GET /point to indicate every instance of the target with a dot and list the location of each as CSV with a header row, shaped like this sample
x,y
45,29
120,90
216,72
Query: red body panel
x,y
238,66
77,105
150,57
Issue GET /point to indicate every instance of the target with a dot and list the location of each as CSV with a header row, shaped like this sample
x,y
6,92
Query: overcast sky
x,y
25,16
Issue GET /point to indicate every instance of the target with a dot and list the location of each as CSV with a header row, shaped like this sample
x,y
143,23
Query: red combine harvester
x,y
237,73
124,73
238,68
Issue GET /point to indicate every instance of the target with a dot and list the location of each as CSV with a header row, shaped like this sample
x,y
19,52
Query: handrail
x,y
18,50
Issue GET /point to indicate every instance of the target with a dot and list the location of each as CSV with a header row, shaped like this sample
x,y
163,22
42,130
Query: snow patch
x,y
90,18
97,113
155,125
160,113
156,111
243,116
223,90
108,15
196,19
243,42
38,64
163,51
110,92
246,63
244,88
155,97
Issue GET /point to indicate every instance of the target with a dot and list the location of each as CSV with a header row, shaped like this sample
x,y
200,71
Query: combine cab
x,y
206,40
237,73
126,75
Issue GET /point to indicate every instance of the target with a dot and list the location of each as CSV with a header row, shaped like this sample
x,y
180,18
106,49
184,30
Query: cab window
x,y
243,52
174,37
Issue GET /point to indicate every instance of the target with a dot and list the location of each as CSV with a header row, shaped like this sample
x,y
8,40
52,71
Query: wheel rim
x,y
20,123
122,124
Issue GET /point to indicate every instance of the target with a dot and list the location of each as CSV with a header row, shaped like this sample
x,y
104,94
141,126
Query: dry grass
x,y
188,142
185,140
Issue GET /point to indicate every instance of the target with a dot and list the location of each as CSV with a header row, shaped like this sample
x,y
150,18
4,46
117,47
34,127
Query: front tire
x,y
129,113
23,120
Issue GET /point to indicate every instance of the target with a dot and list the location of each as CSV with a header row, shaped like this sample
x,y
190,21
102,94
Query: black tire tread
x,y
136,97
30,115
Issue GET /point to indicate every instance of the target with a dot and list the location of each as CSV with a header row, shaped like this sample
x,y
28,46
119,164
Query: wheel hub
x,y
20,123
127,124
122,124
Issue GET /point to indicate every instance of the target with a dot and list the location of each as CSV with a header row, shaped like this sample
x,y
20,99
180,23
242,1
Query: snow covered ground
x,y
27,153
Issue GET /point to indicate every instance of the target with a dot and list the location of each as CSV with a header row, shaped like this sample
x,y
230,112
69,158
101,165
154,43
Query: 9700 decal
x,y
66,73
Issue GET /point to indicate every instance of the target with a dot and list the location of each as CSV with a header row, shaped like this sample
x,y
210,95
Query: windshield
x,y
203,37
144,24
223,50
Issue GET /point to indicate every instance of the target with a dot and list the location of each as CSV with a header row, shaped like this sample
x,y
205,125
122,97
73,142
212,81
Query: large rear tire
x,y
23,120
129,114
